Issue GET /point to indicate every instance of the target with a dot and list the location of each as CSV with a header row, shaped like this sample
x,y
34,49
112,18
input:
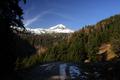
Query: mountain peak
x,y
59,26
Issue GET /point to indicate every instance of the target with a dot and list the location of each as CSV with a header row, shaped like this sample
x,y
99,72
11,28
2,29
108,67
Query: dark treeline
x,y
46,40
11,44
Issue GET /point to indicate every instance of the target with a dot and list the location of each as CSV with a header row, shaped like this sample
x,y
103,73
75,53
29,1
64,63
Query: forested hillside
x,y
41,43
85,43
79,46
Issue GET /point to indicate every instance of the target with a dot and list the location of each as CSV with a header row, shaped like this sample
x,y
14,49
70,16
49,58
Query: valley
x,y
93,47
60,39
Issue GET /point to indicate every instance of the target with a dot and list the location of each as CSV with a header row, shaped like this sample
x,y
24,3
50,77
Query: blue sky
x,y
72,13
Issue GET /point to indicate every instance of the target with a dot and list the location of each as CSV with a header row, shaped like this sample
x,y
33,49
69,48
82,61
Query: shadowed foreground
x,y
72,71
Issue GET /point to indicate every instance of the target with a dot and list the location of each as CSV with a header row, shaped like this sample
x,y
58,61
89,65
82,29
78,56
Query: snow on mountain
x,y
36,30
60,28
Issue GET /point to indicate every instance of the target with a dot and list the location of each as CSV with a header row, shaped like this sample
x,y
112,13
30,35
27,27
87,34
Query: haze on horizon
x,y
72,13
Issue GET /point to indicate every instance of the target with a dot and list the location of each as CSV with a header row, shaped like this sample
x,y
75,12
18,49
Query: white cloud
x,y
38,17
35,18
29,21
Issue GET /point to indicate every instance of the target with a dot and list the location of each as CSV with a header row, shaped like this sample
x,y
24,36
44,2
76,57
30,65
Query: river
x,y
64,71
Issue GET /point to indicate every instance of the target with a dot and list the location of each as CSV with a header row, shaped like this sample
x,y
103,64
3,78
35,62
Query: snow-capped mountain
x,y
60,28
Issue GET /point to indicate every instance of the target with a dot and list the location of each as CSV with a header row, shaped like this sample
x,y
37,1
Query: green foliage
x,y
79,46
85,43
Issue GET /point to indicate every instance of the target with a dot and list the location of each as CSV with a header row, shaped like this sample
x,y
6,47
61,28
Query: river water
x,y
62,71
